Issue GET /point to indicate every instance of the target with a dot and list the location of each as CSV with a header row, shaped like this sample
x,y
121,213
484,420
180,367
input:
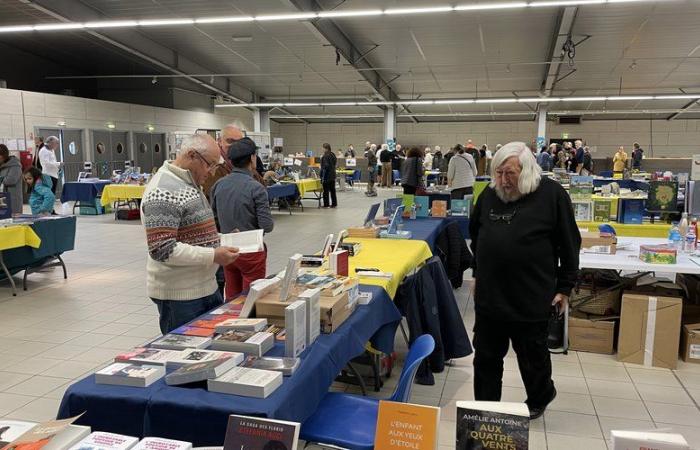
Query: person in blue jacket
x,y
41,199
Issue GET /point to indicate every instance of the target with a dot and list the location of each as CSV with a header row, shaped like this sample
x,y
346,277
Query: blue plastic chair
x,y
351,179
350,421
606,173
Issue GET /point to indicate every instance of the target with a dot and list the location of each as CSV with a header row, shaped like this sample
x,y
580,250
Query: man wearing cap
x,y
240,203
229,134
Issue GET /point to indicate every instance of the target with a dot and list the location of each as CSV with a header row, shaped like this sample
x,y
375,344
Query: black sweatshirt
x,y
520,266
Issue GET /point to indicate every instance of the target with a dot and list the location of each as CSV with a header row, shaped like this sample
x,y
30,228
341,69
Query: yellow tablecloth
x,y
397,256
657,230
16,236
345,172
479,187
114,192
306,185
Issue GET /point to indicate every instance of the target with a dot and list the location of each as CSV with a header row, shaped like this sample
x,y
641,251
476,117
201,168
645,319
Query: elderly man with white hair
x,y
184,249
47,158
384,156
526,253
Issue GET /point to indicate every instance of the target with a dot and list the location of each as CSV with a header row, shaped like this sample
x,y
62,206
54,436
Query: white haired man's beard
x,y
507,197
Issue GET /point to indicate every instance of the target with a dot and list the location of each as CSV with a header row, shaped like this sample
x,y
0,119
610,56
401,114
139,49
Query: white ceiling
x,y
635,48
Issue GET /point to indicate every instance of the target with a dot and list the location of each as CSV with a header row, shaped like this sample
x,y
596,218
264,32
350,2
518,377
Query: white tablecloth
x,y
628,259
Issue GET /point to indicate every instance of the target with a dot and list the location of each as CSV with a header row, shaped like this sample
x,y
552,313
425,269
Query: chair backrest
x,y
356,175
421,349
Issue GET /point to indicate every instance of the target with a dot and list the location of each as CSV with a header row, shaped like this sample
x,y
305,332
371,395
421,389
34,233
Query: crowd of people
x,y
576,158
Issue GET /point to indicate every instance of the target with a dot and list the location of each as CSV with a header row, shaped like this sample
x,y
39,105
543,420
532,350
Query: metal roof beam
x,y
555,55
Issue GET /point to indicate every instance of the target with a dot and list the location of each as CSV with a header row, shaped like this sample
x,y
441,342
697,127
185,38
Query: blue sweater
x,y
42,199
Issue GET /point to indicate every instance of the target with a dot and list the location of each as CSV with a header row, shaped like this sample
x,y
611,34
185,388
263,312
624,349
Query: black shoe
x,y
536,412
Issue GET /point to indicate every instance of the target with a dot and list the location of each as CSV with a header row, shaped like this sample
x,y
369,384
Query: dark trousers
x,y
54,183
458,194
409,190
329,189
491,339
175,313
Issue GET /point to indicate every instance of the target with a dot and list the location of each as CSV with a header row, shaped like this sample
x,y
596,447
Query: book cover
x,y
404,425
100,440
439,208
188,330
127,374
630,210
245,241
212,320
279,332
422,203
287,366
147,355
663,196
602,209
488,425
290,274
12,429
583,210
242,325
180,342
295,323
258,288
312,298
407,201
38,436
250,342
254,433
68,437
195,355
246,382
581,187
154,443
339,263
390,205
201,371
460,207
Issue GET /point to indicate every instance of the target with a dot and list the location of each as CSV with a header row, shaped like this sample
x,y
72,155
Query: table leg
x,y
8,275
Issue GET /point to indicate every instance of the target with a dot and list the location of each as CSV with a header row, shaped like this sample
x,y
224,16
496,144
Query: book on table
x,y
312,298
155,443
212,319
245,241
647,440
583,210
68,437
486,425
295,323
390,206
12,429
602,210
258,288
201,371
189,330
180,342
100,440
255,433
439,208
339,263
196,355
242,325
404,425
127,374
246,382
249,342
581,187
290,275
460,207
287,366
422,203
17,435
148,355
663,196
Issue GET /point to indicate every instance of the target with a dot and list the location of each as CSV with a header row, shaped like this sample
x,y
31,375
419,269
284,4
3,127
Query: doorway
x,y
70,153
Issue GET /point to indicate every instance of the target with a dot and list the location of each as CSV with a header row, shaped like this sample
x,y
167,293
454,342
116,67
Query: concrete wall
x,y
669,138
22,111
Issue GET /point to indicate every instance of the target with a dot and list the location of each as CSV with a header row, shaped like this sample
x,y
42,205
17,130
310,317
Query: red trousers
x,y
243,271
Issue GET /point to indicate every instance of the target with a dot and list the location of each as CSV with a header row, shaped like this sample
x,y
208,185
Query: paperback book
x,y
246,382
390,206
339,263
242,325
36,437
212,320
154,443
12,429
602,209
439,208
403,426
100,440
581,187
486,425
254,433
127,374
312,298
295,323
188,330
192,373
460,207
257,289
245,241
583,210
249,342
290,274
147,355
287,366
180,342
663,196
422,203
195,355
68,437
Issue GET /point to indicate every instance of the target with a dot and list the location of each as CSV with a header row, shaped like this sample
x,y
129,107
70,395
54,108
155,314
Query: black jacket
x,y
454,253
328,165
427,301
385,156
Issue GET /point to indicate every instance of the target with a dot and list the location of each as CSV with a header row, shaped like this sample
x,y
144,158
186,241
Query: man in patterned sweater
x,y
184,250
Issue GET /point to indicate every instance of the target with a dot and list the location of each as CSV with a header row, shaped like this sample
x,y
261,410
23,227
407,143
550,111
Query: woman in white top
x,y
461,174
428,159
49,165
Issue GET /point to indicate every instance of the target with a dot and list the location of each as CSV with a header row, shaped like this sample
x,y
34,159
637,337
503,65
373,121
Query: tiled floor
x,y
58,331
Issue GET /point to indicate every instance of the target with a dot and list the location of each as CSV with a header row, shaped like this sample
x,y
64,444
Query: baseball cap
x,y
241,148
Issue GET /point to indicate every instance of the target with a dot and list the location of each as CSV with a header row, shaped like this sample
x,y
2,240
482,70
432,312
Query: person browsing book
x,y
461,174
328,167
240,203
41,199
184,249
11,178
520,218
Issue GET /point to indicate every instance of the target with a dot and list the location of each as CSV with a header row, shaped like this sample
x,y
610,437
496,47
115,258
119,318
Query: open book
x,y
245,241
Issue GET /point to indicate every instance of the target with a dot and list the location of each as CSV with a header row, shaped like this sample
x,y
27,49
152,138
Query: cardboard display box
x,y
649,330
592,240
595,336
334,310
690,343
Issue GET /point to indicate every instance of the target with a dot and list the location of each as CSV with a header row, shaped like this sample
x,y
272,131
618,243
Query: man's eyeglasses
x,y
210,166
507,218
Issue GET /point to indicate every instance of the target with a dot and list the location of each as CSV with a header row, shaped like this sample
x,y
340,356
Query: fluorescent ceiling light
x,y
341,14
673,97
436,9
341,104
453,102
112,24
16,29
632,97
286,17
496,100
583,99
205,20
417,102
149,23
566,3
59,26
487,6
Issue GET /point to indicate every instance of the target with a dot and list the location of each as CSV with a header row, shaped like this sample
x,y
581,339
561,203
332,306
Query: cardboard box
x,y
591,240
334,310
649,330
595,336
690,343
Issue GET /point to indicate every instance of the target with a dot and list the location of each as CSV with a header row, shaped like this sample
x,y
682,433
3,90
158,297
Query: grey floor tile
x,y
574,424
567,442
616,407
675,414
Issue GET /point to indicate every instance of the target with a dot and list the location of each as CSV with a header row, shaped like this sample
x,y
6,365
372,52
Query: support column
x,y
389,123
541,127
261,120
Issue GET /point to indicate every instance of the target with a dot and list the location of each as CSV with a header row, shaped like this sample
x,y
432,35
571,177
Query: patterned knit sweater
x,y
181,236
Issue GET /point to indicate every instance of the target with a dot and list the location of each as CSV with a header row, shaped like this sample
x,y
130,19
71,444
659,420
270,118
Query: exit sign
x,y
565,135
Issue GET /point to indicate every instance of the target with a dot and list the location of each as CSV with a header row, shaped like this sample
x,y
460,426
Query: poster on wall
x,y
278,142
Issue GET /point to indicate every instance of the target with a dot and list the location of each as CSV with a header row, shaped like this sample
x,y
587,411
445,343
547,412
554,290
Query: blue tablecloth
x,y
82,192
282,190
193,414
429,228
624,184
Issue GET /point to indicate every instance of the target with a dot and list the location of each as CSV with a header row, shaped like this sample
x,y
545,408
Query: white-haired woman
x,y
526,248
428,159
461,174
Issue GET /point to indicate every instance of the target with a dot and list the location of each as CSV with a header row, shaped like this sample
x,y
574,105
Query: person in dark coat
x,y
520,217
412,172
328,166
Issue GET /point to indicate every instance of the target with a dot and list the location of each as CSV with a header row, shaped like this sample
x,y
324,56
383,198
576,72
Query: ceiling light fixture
x,y
309,15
